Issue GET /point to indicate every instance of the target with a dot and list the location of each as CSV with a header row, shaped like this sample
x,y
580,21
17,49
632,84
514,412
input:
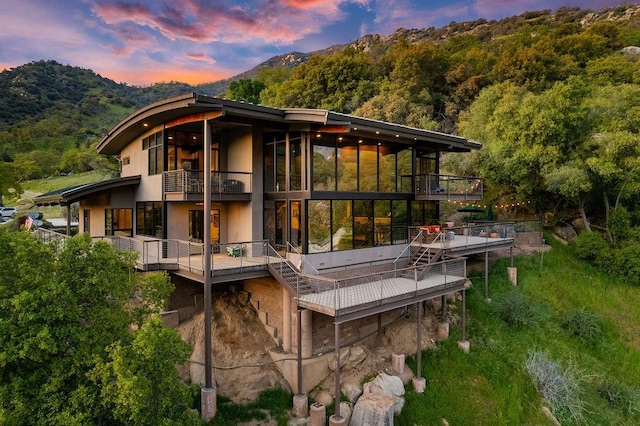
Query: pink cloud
x,y
201,57
280,22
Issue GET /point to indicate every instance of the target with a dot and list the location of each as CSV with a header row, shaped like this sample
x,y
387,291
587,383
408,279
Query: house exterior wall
x,y
138,158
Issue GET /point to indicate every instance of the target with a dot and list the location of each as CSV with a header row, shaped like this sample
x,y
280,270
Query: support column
x,y
286,320
306,334
208,393
69,220
464,343
300,400
419,382
512,272
337,418
486,276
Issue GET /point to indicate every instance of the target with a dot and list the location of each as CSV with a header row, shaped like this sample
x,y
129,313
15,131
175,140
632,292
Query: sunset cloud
x,y
144,41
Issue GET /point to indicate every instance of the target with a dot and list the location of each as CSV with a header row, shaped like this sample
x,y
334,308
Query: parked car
x,y
7,211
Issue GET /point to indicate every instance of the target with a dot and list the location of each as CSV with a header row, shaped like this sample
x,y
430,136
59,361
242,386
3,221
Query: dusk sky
x,y
196,41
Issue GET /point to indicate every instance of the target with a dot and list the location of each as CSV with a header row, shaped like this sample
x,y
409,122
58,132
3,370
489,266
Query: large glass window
x,y
118,222
270,221
324,166
405,170
295,162
86,224
149,219
275,161
423,213
382,222
400,221
281,223
154,145
319,226
363,223
347,167
360,165
196,226
342,225
386,169
368,167
295,232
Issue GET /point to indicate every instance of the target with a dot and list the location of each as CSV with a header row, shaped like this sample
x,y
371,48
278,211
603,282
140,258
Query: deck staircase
x,y
424,256
289,276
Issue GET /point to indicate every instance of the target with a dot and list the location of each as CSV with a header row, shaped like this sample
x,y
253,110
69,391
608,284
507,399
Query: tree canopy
x,y
66,315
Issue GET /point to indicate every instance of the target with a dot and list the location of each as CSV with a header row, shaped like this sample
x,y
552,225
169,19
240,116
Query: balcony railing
x,y
192,182
448,187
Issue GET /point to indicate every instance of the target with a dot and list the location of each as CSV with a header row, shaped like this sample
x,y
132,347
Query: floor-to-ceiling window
x,y
149,219
118,222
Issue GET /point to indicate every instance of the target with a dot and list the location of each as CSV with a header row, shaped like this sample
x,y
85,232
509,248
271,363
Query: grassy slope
x,y
490,384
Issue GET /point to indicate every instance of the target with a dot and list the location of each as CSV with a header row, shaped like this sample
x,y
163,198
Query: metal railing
x,y
449,186
379,288
189,256
192,181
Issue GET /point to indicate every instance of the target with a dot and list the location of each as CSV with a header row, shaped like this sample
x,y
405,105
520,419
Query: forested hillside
x,y
552,96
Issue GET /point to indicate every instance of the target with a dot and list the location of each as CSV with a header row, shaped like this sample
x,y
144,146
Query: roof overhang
x,y
228,113
329,121
67,196
175,109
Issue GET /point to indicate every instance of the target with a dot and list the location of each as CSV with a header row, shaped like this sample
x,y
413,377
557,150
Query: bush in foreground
x,y
560,387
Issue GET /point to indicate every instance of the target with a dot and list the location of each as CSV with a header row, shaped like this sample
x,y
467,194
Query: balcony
x,y
448,187
188,185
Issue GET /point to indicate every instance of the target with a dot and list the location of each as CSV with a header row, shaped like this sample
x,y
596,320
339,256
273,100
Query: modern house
x,y
325,215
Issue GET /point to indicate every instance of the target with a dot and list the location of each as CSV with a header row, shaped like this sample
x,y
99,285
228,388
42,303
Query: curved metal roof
x,y
232,112
72,194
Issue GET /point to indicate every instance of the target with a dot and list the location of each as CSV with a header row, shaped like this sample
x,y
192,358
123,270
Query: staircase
x,y
424,256
288,275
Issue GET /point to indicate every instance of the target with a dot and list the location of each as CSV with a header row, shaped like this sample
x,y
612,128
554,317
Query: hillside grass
x,y
32,188
490,385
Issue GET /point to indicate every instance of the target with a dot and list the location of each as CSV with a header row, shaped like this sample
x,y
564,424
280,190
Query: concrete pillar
x,y
208,405
306,333
443,331
419,384
463,343
286,321
486,276
318,415
337,421
300,406
512,272
397,363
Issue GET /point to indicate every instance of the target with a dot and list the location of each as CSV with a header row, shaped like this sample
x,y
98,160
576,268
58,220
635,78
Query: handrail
x,y
294,249
419,236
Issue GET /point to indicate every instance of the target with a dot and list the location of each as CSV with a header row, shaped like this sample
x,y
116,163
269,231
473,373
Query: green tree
x,y
340,82
9,184
61,307
615,159
139,383
246,90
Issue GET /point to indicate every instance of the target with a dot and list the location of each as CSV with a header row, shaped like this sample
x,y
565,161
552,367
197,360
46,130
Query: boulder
x,y
324,398
352,390
391,386
349,357
373,409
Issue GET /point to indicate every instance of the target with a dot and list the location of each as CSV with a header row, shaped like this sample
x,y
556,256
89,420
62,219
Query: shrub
x,y
560,387
515,309
619,224
593,247
626,263
583,325
622,396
